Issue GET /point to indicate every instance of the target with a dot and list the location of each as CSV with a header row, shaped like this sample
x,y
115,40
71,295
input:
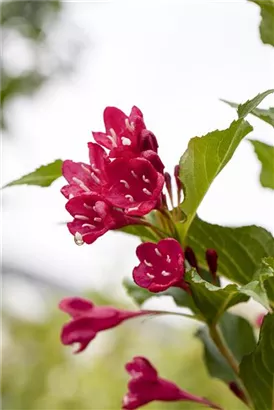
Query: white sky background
x,y
172,59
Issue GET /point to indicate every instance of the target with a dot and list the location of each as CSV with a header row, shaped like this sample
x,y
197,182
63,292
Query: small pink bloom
x,y
85,178
146,386
162,265
93,217
87,320
260,319
134,185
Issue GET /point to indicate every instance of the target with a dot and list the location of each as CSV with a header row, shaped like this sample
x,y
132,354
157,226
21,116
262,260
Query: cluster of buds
x,y
124,182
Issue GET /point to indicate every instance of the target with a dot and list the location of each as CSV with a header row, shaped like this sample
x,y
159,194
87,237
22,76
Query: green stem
x,y
173,227
164,312
219,341
159,232
223,348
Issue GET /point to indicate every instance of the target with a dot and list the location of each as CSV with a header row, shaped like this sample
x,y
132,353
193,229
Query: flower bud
x,y
148,141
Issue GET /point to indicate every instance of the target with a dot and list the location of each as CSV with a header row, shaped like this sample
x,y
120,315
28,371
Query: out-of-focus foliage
x,y
40,373
267,23
29,56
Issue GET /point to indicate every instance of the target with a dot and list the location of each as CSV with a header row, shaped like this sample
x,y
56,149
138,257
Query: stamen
x,y
85,168
97,219
87,206
134,208
113,134
88,226
125,141
112,141
145,179
93,166
130,126
125,183
82,217
95,178
168,259
134,174
81,184
148,263
146,191
150,276
158,252
165,273
130,198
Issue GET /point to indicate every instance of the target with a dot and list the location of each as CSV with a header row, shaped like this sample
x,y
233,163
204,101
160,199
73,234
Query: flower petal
x,y
75,306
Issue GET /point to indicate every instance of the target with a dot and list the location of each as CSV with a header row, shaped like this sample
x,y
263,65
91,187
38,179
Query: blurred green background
x,y
40,373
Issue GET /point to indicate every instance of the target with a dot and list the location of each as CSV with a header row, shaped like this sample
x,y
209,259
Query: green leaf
x,y
266,274
262,114
250,105
257,368
238,335
213,301
203,160
140,295
265,154
262,286
43,176
240,250
267,23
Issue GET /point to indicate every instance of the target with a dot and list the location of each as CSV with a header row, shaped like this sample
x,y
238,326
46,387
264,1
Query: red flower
x,y
162,265
146,386
93,217
134,185
125,136
84,178
88,320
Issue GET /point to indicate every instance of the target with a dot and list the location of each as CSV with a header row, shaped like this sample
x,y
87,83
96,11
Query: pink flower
x,y
125,136
146,386
88,320
93,217
260,319
84,178
162,265
134,185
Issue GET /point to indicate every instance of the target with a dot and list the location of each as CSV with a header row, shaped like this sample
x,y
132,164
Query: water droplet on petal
x,y
78,239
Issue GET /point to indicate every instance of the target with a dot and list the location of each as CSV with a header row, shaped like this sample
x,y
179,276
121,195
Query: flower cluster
x,y
116,188
120,187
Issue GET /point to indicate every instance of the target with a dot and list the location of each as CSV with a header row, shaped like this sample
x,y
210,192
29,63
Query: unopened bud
x,y
191,258
177,177
212,258
237,391
148,141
